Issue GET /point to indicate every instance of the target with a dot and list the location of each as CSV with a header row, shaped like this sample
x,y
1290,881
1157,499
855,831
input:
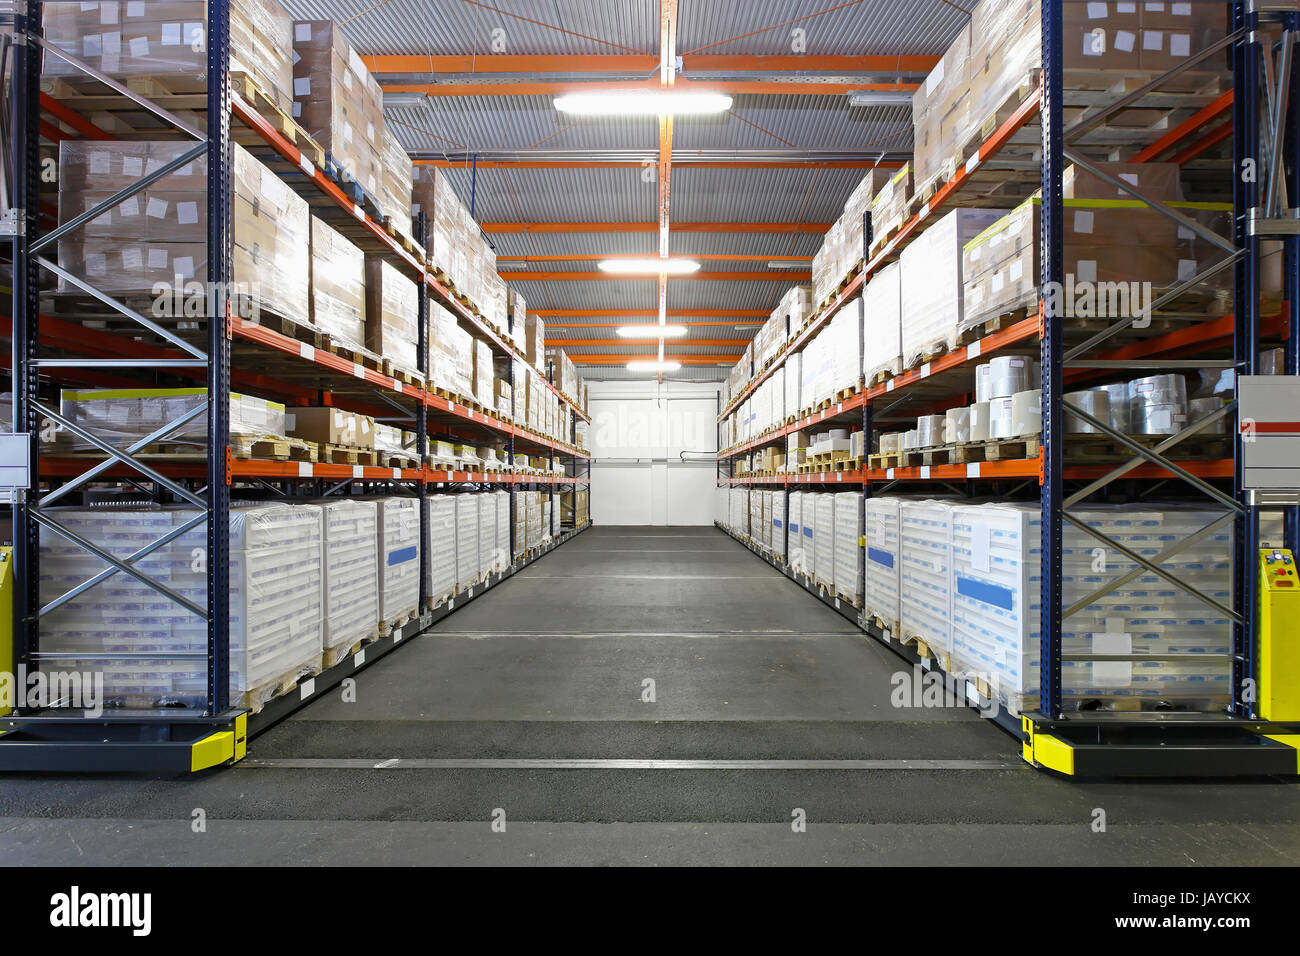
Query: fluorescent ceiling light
x,y
642,103
652,331
786,264
653,366
650,266
404,99
880,98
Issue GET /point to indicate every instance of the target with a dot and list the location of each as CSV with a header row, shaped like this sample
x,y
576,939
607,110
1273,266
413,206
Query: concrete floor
x,y
552,665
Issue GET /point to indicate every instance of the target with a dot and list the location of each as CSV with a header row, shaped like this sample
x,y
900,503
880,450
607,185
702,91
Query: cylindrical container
x,y
1199,408
979,421
982,382
956,425
1120,420
929,431
1000,417
1096,402
1157,404
1027,412
1008,374
909,440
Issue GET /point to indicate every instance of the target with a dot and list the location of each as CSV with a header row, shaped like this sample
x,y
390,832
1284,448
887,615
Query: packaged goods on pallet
x,y
546,518
338,286
517,310
398,544
843,246
334,426
155,243
941,107
535,531
925,533
566,373
815,372
338,102
456,245
578,506
451,353
535,342
487,534
440,546
823,564
395,181
883,560
931,282
501,548
778,529
1179,643
795,545
484,377
167,40
467,541
889,205
848,551
350,571
521,523
1112,247
882,324
845,330
123,416
793,395
275,602
394,441
392,326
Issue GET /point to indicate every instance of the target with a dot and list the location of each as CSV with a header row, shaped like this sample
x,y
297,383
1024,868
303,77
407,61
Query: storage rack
x,y
228,350
1151,743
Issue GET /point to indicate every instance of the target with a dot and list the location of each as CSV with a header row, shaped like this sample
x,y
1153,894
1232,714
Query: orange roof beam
x,y
630,164
675,343
633,63
536,88
642,313
682,359
601,257
773,276
811,228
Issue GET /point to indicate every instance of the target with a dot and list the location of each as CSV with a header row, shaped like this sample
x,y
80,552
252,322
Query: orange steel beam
x,y
774,276
675,343
761,87
717,323
73,119
636,313
683,359
1209,141
629,164
633,63
1180,132
600,257
812,228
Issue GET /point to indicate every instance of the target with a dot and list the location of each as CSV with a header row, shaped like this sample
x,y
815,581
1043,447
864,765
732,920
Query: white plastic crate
x,y
824,541
398,542
350,570
883,559
467,563
926,547
487,533
778,524
440,545
848,549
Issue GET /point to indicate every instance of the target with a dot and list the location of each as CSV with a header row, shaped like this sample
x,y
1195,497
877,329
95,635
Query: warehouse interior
x,y
420,420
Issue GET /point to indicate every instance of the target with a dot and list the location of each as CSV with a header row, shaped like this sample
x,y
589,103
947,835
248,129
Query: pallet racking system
x,y
222,351
1261,46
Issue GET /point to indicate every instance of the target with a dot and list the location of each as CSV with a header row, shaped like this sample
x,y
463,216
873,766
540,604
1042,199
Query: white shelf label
x,y
925,663
304,469
972,164
925,471
451,604
837,604
307,351
889,473
397,386
307,688
306,165
358,211
397,636
887,635
359,657
973,350
889,386
925,211
358,471
973,469
397,473
358,370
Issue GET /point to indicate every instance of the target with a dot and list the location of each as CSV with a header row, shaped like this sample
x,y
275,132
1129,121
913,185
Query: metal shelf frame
x,y
175,740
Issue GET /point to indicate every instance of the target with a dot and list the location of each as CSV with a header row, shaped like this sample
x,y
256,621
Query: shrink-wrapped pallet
x,y
123,416
467,541
848,546
451,354
395,184
398,546
487,533
350,571
883,560
501,550
882,324
338,286
440,546
824,541
925,531
392,313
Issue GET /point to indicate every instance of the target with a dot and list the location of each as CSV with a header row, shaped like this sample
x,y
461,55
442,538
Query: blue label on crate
x,y
402,555
993,594
881,557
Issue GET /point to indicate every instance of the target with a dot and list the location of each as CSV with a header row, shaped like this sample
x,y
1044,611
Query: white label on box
x,y
980,535
1097,10
1126,6
1094,43
140,47
1186,269
171,34
1087,270
307,688
1125,40
1016,270
1180,44
129,209
1083,219
132,166
301,86
132,259
134,8
1181,9
997,282
1153,40
157,258
187,213
973,469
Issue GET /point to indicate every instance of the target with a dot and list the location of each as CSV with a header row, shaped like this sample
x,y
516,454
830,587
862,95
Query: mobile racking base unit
x,y
217,351
1245,739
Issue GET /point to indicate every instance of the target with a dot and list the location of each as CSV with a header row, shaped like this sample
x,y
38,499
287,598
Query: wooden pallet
x,y
996,320
334,454
273,112
255,698
881,376
1000,449
885,461
1100,449
335,655
927,457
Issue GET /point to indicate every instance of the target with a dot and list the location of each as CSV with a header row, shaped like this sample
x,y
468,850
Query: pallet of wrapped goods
x,y
520,524
467,541
123,416
327,425
517,318
501,552
159,49
157,239
350,574
882,562
889,207
395,187
338,286
845,331
925,613
848,551
931,283
533,501
487,534
392,304
843,247
882,326
440,546
339,103
398,548
535,342
823,564
794,522
546,516
276,608
451,355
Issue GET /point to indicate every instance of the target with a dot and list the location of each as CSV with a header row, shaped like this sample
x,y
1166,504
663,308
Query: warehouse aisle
x,y
515,709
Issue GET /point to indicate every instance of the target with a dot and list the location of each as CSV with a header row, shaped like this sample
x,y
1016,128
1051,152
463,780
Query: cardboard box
x,y
392,307
338,286
535,342
333,426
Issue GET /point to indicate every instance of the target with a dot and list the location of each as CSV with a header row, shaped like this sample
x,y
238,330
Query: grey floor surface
x,y
507,708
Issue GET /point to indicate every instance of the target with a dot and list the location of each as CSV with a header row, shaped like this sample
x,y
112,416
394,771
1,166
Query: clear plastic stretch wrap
x,y
338,286
487,534
1181,644
484,374
123,416
168,38
392,329
398,544
394,440
155,243
931,281
440,545
824,540
846,351
451,354
350,570
848,547
467,541
925,531
778,524
501,552
395,186
275,602
889,205
882,561
337,101
882,324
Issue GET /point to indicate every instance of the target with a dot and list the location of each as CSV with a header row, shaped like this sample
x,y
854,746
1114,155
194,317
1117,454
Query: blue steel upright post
x,y
1053,258
421,409
219,331
1291,250
1246,63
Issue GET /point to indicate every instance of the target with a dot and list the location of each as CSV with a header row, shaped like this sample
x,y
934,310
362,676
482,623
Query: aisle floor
x,y
531,704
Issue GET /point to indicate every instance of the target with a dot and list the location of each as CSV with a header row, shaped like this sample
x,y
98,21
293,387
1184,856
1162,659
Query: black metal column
x,y
1291,251
422,410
